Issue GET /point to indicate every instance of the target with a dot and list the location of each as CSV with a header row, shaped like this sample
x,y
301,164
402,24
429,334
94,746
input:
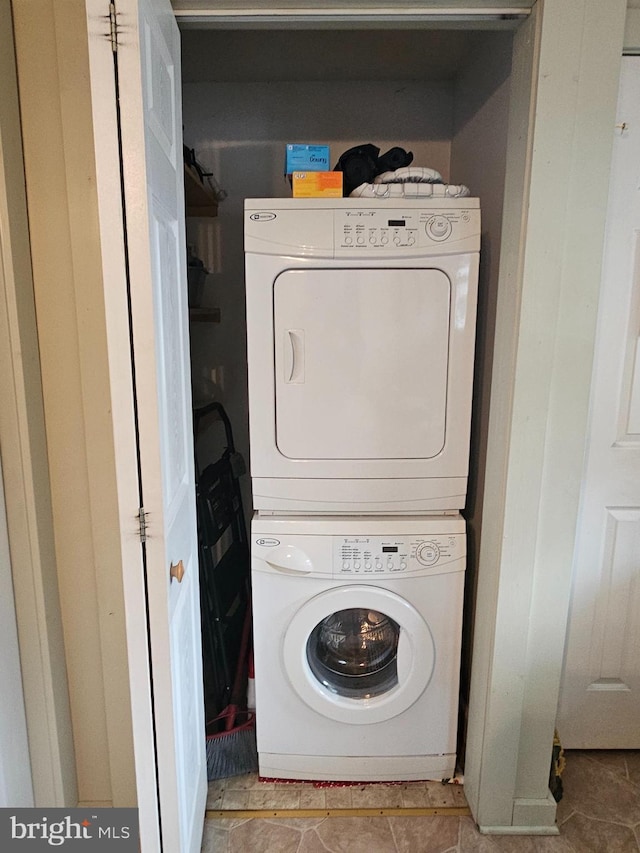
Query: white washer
x,y
360,339
357,633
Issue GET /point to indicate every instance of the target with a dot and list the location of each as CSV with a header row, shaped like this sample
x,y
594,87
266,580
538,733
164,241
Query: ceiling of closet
x,y
321,55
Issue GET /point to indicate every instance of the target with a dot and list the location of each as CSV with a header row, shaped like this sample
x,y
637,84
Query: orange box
x,y
317,184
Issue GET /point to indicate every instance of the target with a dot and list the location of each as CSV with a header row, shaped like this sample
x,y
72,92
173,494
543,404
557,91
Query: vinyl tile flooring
x,y
599,813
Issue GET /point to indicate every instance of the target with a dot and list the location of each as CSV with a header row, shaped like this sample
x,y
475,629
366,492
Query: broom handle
x,y
237,682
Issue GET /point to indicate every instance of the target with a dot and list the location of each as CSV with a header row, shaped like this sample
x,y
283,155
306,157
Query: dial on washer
x,y
428,553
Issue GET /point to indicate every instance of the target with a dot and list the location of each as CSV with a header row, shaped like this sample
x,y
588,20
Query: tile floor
x,y
599,813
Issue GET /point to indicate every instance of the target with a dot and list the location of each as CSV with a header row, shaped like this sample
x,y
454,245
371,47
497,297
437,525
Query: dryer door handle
x,y
291,560
294,356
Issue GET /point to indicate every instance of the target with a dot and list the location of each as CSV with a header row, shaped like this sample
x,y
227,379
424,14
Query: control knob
x,y
428,553
438,228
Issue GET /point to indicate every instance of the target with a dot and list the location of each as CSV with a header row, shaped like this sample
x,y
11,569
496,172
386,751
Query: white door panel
x,y
162,362
600,696
165,674
361,361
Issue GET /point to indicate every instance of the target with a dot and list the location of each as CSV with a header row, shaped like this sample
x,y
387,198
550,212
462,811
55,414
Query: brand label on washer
x,y
267,542
263,216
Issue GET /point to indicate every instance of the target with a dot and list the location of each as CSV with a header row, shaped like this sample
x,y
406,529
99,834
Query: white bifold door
x,y
600,695
136,97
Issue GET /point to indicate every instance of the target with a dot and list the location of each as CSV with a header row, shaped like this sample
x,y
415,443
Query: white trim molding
x,y
26,470
545,336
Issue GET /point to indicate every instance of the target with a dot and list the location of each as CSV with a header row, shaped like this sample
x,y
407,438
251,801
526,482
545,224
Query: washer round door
x,y
358,654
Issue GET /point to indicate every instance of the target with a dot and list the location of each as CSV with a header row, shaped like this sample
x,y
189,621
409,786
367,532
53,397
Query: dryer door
x,y
361,363
359,654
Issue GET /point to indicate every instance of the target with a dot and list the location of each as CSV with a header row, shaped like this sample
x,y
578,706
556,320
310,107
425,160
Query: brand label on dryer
x,y
262,216
267,542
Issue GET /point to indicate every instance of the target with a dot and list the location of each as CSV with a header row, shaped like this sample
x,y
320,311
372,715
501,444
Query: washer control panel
x,y
391,555
400,232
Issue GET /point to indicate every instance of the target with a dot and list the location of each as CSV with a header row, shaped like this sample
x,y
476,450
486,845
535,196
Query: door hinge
x,y
142,524
113,27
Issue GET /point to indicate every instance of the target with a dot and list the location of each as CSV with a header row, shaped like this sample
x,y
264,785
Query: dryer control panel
x,y
354,229
386,556
401,232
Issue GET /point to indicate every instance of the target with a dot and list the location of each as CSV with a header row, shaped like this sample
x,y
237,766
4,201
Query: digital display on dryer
x,y
389,549
397,223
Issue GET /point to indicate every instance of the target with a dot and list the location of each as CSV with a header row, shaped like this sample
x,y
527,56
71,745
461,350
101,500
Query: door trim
x,y
26,470
429,14
566,64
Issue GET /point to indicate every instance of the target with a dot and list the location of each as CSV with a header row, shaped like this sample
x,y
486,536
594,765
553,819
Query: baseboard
x,y
519,830
529,817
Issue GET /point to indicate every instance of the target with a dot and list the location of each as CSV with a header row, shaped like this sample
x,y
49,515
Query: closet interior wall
x,y
443,95
478,160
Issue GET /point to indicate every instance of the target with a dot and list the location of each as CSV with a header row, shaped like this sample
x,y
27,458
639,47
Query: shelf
x,y
199,200
204,315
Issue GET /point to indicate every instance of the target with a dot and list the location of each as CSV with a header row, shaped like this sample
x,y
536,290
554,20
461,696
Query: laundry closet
x,y
442,94
522,138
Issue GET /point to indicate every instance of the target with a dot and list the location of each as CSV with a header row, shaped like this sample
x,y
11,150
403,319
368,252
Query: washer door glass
x,y
354,653
358,654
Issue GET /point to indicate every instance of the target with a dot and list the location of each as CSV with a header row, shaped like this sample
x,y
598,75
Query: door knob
x,y
177,571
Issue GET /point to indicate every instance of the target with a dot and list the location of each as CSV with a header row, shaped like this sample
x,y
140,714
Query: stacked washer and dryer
x,y
360,336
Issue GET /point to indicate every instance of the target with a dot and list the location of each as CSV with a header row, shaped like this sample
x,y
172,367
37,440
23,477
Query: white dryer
x,y
360,337
357,633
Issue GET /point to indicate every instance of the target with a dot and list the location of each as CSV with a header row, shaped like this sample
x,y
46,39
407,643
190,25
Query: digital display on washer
x,y
397,223
389,549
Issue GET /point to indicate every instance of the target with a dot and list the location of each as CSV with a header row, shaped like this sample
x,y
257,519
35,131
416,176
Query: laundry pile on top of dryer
x,y
410,182
367,174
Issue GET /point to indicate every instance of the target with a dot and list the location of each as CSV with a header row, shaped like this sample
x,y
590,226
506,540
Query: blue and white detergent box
x,y
310,158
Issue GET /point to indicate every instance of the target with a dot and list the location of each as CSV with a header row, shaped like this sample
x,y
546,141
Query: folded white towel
x,y
410,190
409,174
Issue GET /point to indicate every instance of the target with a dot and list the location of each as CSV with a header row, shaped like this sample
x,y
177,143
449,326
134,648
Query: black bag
x,y
360,165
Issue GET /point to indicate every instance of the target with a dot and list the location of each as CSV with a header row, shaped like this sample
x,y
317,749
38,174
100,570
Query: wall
x,y
478,159
51,48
